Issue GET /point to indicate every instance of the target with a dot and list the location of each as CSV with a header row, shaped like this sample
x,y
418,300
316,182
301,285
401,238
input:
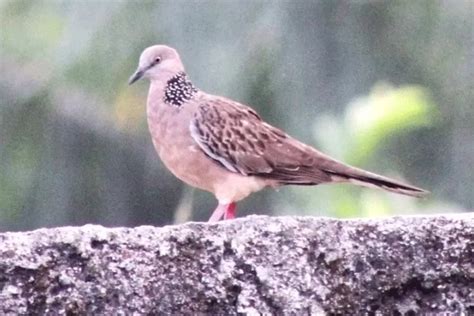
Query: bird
x,y
222,146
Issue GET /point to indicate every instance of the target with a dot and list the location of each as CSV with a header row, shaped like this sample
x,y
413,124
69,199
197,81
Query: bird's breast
x,y
169,129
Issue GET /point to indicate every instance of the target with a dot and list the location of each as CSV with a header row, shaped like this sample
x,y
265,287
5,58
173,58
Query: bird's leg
x,y
230,211
218,213
226,211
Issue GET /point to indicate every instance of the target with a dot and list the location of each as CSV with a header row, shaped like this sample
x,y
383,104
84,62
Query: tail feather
x,y
369,179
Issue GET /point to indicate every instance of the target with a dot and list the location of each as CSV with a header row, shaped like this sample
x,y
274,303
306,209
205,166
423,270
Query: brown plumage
x,y
224,147
235,136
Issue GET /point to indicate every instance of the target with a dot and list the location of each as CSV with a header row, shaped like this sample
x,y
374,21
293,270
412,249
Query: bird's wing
x,y
235,136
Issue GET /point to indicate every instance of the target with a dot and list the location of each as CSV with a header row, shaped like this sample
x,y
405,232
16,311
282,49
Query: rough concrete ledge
x,y
255,265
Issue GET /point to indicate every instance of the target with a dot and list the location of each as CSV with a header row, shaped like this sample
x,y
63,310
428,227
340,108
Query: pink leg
x,y
230,212
226,211
218,213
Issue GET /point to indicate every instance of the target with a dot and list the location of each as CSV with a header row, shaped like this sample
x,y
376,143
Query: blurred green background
x,y
385,85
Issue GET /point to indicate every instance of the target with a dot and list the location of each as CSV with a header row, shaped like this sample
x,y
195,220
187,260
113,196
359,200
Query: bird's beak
x,y
136,76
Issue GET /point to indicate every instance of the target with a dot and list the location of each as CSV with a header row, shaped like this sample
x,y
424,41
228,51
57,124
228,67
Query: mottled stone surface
x,y
279,265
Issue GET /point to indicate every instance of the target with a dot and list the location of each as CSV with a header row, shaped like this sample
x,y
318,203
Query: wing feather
x,y
235,136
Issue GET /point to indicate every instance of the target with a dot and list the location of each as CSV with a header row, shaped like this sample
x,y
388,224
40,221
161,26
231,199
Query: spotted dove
x,y
224,147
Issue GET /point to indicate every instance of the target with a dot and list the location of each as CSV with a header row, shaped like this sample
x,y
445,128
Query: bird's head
x,y
157,63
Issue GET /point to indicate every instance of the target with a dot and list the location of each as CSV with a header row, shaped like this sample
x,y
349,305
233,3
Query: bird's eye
x,y
157,60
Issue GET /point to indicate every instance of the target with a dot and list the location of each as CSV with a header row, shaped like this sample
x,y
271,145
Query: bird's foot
x,y
225,211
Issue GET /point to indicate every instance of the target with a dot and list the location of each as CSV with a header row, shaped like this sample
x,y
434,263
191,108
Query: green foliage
x,y
386,112
40,28
369,123
22,154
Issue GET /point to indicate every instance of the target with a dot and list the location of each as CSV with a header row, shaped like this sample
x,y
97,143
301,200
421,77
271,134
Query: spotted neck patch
x,y
179,90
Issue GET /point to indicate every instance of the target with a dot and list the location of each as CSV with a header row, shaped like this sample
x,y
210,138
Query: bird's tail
x,y
369,179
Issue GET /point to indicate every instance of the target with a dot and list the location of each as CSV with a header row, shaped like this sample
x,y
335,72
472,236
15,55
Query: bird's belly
x,y
188,163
